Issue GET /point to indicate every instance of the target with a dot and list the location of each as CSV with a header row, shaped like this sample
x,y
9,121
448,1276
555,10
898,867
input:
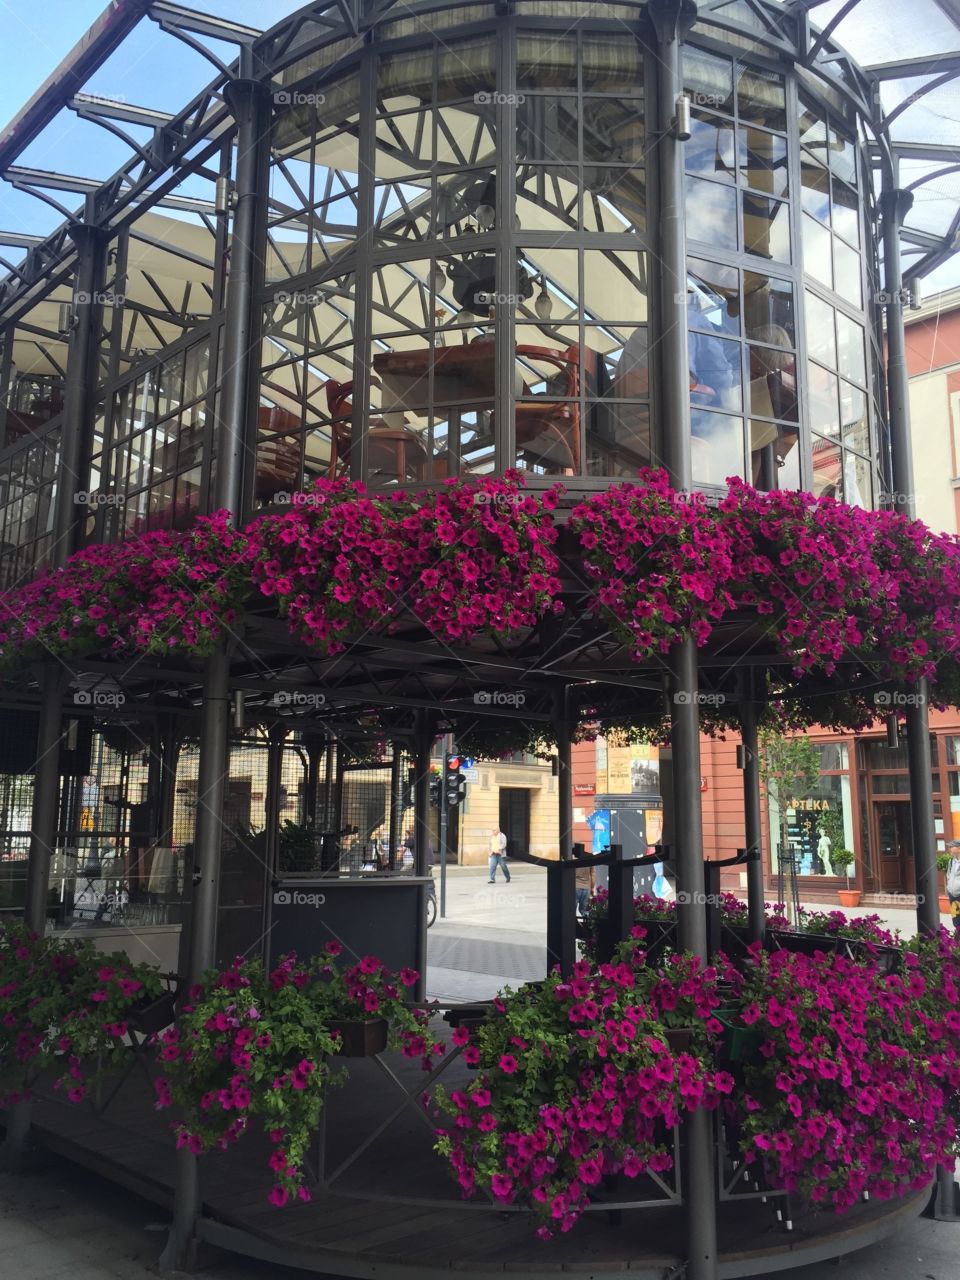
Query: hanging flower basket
x,y
360,1039
153,1014
737,1042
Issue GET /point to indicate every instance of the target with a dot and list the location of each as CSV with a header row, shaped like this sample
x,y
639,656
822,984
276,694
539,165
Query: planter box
x,y
153,1014
361,1039
737,1042
661,937
807,944
678,1039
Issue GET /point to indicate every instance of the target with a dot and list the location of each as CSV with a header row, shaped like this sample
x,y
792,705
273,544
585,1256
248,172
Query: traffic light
x,y
435,792
454,783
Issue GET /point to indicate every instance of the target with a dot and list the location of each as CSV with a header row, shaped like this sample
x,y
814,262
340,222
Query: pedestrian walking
x,y
585,882
498,855
953,881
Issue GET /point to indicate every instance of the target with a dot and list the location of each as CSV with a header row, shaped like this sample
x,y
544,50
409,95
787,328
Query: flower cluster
x,y
855,1087
663,560
578,1082
157,593
335,563
485,551
829,583
65,1011
256,1043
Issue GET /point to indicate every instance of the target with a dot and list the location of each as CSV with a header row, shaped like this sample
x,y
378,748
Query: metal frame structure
x,y
223,138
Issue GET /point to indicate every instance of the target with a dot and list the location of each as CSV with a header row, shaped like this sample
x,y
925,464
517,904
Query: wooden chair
x,y
394,453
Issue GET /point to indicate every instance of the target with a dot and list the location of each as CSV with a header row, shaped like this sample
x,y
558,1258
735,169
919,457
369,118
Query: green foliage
x,y
298,848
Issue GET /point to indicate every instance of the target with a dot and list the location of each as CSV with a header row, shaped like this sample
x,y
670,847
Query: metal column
x,y
753,821
249,100
894,206
672,19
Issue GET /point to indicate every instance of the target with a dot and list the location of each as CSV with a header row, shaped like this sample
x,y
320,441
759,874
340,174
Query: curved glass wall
x,y
463,269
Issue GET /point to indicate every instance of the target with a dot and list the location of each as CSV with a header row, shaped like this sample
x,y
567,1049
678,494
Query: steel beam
x,y
90,52
203,24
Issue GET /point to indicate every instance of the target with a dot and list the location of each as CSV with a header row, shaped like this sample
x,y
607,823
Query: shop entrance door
x,y
894,845
515,820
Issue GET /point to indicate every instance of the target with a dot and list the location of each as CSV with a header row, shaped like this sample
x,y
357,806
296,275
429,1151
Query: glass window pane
x,y
765,166
713,296
815,187
711,210
846,273
843,156
767,302
823,396
773,382
612,131
548,129
857,481
850,349
846,218
816,251
548,61
715,372
821,339
614,199
548,198
611,64
827,478
761,98
615,362
811,126
853,418
774,456
617,438
615,286
711,149
549,272
708,79
766,227
716,447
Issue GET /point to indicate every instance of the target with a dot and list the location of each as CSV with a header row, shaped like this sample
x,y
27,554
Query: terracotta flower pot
x,y
943,902
849,897
360,1039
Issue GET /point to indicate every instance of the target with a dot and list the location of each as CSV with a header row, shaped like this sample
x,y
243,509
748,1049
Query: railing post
x,y
753,822
561,918
619,902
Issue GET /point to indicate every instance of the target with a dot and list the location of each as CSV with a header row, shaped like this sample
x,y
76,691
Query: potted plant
x,y
67,1011
841,861
578,1082
251,1044
840,1039
298,848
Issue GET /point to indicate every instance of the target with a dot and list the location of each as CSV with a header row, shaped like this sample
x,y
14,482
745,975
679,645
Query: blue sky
x,y
151,69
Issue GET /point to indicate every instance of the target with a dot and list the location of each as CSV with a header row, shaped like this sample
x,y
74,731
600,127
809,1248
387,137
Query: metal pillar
x,y
564,775
753,821
672,20
277,738
396,803
894,206
421,793
77,434
249,100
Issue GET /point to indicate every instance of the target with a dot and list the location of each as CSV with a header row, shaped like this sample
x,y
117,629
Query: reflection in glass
x,y
827,479
765,165
715,371
857,481
850,349
767,301
766,227
821,339
711,149
615,200
846,218
612,131
775,457
846,274
711,213
713,296
853,418
615,285
548,198
708,78
816,251
716,446
823,400
815,187
761,98
617,437
548,129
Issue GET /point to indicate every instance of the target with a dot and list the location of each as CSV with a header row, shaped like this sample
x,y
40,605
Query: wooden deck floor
x,y
395,1212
